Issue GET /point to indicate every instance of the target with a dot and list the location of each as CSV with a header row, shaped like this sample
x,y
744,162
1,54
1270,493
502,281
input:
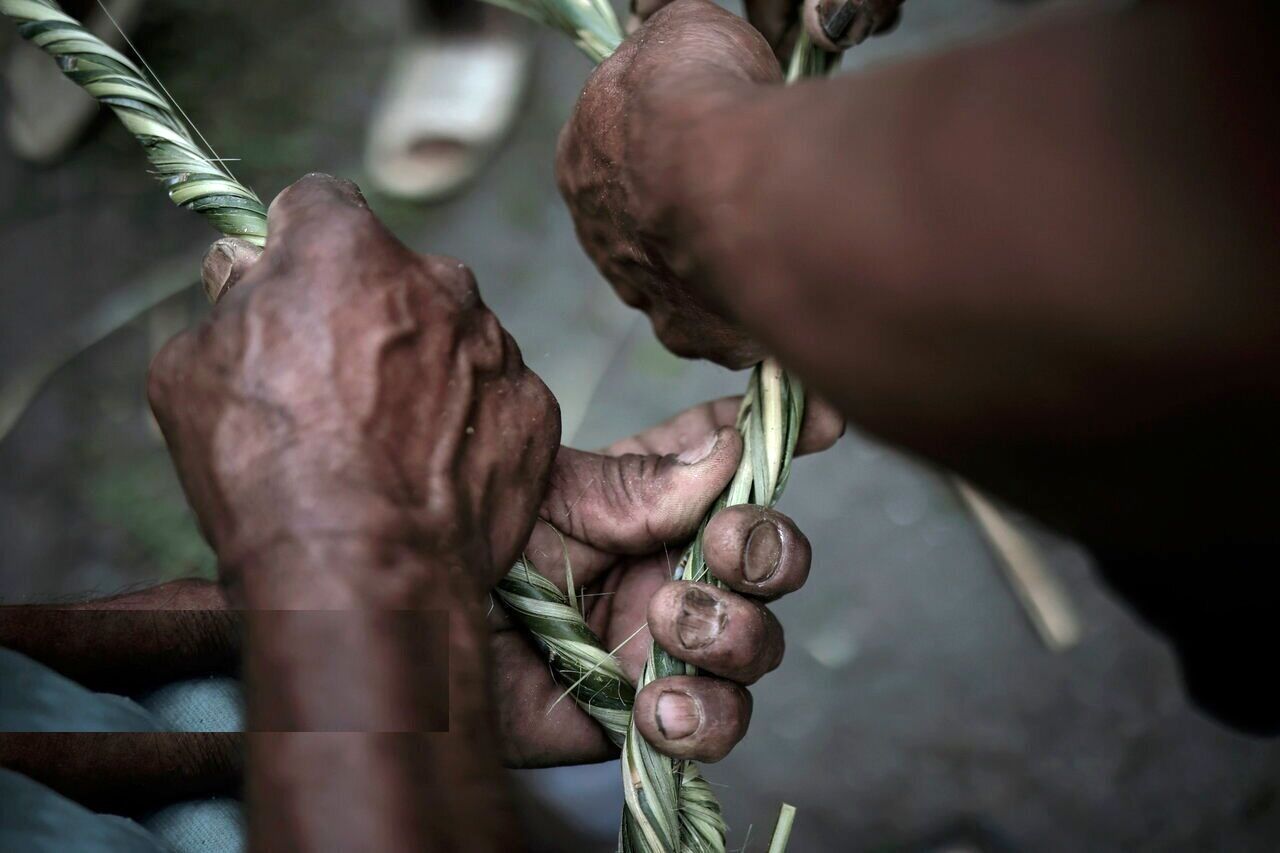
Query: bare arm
x,y
368,703
131,641
1046,262
365,451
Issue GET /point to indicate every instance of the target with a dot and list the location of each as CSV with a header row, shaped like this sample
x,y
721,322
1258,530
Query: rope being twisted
x,y
195,180
670,806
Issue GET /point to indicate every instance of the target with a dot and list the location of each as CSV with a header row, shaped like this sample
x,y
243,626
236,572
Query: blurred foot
x,y
448,103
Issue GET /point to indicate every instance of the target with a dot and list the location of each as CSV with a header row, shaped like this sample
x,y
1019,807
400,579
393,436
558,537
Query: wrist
x,y
404,630
319,487
310,569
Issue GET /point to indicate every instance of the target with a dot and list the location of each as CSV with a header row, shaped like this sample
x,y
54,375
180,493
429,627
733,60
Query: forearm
x,y
127,772
367,701
175,630
1014,257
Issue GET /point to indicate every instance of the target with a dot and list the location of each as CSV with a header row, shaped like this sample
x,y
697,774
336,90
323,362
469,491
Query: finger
x,y
313,198
757,551
693,717
169,371
680,432
557,557
538,727
837,25
823,426
225,264
716,630
624,623
631,504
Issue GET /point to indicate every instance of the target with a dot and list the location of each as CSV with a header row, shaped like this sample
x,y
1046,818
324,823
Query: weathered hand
x,y
622,167
349,387
622,518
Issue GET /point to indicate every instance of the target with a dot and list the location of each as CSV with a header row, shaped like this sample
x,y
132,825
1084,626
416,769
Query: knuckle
x,y
823,427
739,356
325,185
625,482
544,407
489,344
321,204
163,372
702,338
349,191
454,277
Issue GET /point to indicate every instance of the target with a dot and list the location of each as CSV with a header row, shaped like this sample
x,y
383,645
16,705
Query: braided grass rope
x,y
195,180
591,24
670,806
592,675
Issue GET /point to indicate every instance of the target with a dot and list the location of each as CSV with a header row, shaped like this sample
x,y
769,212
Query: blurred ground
x,y
914,698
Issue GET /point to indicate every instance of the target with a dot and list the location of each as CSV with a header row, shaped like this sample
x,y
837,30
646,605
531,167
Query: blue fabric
x,y
200,826
34,698
37,699
35,819
198,705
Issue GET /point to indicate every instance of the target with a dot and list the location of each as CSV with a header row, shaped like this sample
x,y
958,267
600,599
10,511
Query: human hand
x,y
348,387
626,514
624,166
621,519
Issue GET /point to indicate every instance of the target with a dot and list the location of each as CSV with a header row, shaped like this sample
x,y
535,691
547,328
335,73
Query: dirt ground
x,y
915,704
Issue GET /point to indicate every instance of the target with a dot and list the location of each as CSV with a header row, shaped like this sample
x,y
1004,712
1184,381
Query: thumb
x,y
224,264
633,503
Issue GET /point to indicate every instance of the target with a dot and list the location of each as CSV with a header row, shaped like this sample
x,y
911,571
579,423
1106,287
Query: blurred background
x,y
917,709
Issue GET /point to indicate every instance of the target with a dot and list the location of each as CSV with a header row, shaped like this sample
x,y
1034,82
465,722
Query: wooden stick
x,y
1042,596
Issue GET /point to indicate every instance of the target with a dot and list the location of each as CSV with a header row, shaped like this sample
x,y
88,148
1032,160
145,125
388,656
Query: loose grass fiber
x,y
195,179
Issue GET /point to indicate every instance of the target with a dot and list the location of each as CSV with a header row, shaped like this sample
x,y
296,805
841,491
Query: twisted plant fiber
x,y
195,180
670,807
590,23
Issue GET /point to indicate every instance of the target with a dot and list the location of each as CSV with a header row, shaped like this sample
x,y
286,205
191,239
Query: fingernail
x,y
701,619
763,552
694,455
837,18
678,715
216,270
